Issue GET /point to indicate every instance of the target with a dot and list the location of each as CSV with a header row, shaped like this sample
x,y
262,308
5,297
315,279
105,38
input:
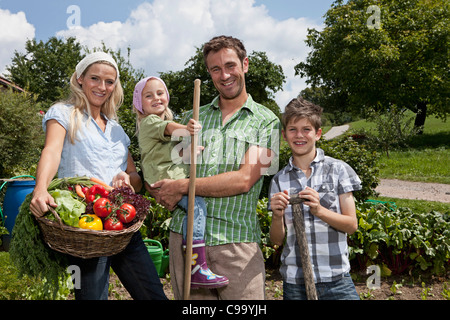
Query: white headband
x,y
93,58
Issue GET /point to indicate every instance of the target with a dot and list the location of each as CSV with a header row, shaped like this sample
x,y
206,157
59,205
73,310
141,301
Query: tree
x,y
45,69
393,54
263,80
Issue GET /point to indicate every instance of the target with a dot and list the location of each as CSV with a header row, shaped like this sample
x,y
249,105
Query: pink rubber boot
x,y
201,275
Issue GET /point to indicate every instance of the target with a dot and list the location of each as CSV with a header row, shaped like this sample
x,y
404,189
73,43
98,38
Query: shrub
x,y
362,160
21,136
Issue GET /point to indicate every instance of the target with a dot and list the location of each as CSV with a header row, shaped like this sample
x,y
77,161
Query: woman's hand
x,y
40,202
122,179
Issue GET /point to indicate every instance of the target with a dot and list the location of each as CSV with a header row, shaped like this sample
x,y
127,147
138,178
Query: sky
x,y
164,34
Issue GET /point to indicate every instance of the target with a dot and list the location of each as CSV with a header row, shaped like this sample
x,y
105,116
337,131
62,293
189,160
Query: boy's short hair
x,y
218,43
300,108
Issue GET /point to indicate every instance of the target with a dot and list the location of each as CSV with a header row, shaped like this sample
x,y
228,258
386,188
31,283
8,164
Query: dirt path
x,y
414,190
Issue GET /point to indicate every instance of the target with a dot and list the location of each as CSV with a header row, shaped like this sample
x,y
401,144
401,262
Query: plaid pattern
x,y
232,219
327,246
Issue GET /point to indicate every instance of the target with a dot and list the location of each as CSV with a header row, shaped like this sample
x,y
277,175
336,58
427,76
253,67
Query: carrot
x,y
79,191
103,184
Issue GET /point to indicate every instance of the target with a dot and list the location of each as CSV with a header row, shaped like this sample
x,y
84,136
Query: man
x,y
240,139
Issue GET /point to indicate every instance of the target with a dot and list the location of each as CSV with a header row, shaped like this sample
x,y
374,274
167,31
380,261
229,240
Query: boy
x,y
326,185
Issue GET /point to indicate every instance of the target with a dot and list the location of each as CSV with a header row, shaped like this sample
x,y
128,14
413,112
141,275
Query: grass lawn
x,y
426,159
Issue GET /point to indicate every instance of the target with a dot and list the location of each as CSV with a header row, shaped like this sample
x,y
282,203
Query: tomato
x,y
126,213
102,207
90,221
113,224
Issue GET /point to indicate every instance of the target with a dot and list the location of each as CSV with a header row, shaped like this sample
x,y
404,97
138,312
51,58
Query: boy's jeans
x,y
199,217
342,289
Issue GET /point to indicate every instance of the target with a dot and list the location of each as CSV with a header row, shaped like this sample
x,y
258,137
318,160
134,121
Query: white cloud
x,y
14,31
163,35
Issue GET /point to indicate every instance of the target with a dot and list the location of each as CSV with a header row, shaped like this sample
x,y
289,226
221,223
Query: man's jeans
x,y
342,289
133,266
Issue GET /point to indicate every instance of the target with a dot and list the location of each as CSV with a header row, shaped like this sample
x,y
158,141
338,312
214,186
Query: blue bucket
x,y
15,194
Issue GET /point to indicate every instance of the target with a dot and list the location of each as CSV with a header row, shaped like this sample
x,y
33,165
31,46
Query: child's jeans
x,y
199,217
342,289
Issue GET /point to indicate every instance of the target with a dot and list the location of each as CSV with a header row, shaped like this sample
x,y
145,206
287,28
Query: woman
x,y
83,138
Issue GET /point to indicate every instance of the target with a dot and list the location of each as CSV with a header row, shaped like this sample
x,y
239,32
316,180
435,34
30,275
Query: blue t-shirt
x,y
95,153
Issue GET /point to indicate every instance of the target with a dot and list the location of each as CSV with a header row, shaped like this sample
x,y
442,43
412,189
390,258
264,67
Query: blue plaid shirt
x,y
327,246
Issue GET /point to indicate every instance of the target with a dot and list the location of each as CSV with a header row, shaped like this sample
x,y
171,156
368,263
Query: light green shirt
x,y
232,219
159,157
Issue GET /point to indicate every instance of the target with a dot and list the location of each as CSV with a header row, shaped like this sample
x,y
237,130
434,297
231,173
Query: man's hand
x,y
167,192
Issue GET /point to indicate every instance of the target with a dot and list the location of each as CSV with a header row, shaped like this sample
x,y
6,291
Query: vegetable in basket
x,y
95,192
69,208
102,207
90,221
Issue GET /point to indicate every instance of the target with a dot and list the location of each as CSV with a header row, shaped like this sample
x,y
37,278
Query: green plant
x,y
156,225
400,239
16,287
395,288
426,292
445,291
367,295
21,125
392,129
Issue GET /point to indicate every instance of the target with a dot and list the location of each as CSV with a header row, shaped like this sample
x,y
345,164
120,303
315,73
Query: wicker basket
x,y
85,243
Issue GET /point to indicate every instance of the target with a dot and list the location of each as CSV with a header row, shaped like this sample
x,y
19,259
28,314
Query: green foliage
x,y
392,129
156,226
400,240
31,256
15,287
45,68
362,160
21,125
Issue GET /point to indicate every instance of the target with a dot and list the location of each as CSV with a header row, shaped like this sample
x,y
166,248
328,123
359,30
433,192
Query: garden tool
x,y
191,195
299,226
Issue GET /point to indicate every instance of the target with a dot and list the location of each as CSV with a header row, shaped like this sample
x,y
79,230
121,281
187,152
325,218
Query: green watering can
x,y
160,258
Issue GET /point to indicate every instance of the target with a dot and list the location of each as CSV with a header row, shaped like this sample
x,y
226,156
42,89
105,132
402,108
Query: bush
x,y
21,136
400,240
362,160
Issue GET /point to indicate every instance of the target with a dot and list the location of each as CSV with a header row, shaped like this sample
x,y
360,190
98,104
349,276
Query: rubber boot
x,y
201,275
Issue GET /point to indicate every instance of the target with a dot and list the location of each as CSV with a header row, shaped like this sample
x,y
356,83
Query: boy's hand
x,y
312,199
279,202
193,127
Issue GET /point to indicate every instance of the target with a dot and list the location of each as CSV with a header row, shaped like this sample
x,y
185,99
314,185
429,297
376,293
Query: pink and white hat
x,y
137,94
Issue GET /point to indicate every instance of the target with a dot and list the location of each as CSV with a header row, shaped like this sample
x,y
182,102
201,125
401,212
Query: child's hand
x,y
312,199
193,127
279,202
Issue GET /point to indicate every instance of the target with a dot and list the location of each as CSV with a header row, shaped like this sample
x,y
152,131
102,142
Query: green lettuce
x,y
69,208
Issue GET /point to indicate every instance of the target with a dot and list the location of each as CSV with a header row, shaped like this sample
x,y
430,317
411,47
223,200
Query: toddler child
x,y
160,159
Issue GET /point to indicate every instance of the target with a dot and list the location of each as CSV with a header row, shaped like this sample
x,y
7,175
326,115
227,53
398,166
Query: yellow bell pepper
x,y
90,221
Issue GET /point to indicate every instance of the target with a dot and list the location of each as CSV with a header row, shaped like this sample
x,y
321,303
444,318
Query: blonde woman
x,y
83,138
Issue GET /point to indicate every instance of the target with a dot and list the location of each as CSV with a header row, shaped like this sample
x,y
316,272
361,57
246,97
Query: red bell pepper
x,y
95,192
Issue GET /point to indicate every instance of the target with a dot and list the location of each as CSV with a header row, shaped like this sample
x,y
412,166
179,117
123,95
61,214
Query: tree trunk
x,y
421,116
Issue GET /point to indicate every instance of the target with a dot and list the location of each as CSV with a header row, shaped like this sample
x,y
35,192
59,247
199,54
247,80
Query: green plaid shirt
x,y
232,219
